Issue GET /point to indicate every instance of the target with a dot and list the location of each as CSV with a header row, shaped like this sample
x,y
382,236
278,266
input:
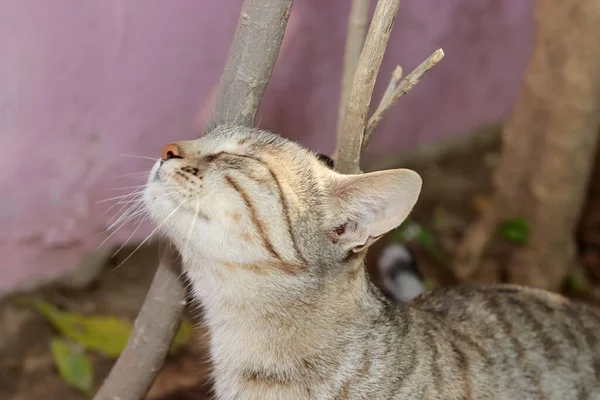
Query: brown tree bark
x,y
548,149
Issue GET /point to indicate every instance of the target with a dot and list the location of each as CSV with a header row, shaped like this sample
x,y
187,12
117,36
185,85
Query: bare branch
x,y
404,87
349,142
389,91
255,47
153,331
357,29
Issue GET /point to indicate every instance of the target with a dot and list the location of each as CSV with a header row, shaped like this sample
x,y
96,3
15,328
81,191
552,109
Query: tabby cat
x,y
273,241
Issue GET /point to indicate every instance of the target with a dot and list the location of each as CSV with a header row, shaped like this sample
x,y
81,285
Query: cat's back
x,y
518,341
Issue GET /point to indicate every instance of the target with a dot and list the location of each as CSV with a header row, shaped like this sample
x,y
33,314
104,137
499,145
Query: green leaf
x,y
103,334
514,230
73,365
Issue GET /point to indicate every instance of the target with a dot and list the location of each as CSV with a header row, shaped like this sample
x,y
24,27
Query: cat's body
x,y
273,243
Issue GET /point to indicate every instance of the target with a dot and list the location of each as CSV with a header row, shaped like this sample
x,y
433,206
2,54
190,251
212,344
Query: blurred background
x,y
504,132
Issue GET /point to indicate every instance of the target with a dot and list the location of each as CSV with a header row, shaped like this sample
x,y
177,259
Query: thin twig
x,y
389,91
251,60
404,87
349,141
357,29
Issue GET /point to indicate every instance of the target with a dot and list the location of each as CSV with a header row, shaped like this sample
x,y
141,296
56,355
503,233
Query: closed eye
x,y
212,157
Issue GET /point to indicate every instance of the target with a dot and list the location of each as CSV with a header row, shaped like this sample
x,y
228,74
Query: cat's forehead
x,y
250,141
240,140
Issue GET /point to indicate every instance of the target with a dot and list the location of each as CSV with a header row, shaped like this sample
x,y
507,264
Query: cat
x,y
273,240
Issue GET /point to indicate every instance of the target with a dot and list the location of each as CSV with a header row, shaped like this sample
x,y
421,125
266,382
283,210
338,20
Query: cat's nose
x,y
171,151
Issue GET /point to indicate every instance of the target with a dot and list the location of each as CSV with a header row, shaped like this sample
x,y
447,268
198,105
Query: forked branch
x,y
255,47
355,132
393,93
349,140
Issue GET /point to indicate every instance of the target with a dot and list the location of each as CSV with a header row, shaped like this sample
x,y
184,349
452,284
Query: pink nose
x,y
170,151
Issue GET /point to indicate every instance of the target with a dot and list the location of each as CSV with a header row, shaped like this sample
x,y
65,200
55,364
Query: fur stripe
x,y
505,324
253,215
578,318
436,371
464,367
550,346
283,202
264,377
469,341
286,212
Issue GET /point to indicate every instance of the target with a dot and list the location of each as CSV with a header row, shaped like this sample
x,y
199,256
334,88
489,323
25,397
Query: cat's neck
x,y
284,331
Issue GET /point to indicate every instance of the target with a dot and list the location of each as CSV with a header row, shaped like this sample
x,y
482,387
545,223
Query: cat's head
x,y
245,201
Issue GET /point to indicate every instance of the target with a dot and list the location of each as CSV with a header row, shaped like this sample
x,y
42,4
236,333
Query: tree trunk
x,y
548,149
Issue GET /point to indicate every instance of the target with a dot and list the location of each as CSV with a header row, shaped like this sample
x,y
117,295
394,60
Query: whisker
x,y
137,194
119,197
150,235
110,235
119,215
128,239
122,214
135,211
142,157
137,174
140,186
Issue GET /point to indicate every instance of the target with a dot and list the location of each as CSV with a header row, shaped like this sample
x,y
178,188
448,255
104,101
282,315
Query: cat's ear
x,y
373,204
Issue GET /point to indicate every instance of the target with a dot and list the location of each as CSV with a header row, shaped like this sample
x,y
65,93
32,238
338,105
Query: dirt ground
x,y
456,188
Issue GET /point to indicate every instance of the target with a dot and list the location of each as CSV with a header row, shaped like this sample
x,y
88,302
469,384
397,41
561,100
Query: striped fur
x,y
273,241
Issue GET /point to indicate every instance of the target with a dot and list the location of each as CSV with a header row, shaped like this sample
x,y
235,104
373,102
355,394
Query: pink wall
x,y
83,82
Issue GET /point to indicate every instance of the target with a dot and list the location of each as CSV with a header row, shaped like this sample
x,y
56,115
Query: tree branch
x,y
153,331
255,48
404,87
349,141
387,95
357,28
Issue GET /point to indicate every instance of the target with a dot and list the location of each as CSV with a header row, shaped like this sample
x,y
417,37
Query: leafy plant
x,y
104,334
